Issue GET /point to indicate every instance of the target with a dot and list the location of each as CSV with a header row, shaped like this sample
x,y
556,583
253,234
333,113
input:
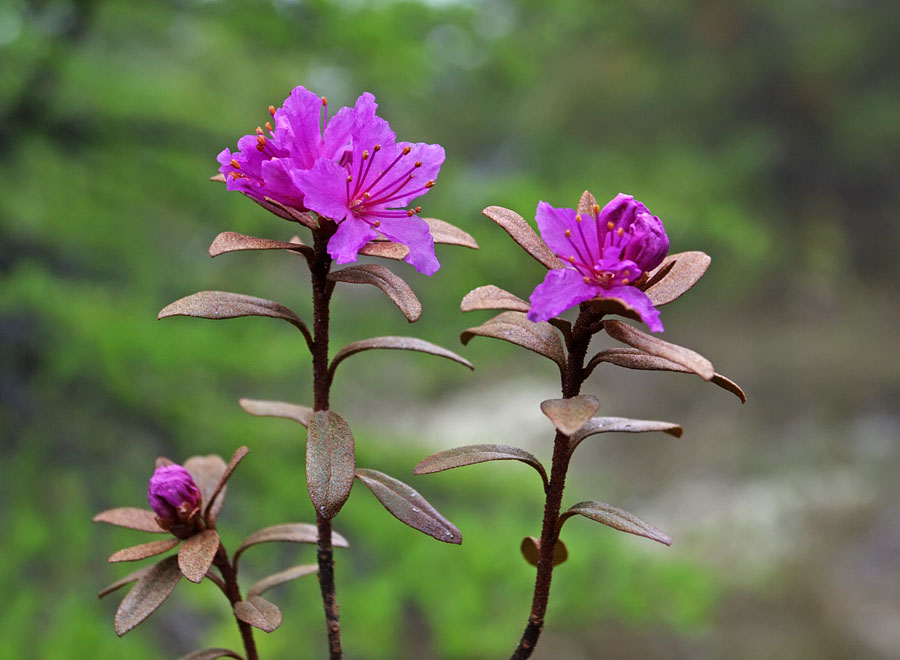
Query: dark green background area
x,y
763,133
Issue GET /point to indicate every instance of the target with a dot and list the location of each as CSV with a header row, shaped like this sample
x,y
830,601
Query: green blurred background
x,y
764,133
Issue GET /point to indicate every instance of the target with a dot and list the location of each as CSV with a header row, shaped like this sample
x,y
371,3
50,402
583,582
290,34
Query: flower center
x,y
601,260
368,194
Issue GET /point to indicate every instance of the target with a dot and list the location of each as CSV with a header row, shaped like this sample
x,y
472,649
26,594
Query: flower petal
x,y
413,233
350,236
432,157
638,300
561,289
278,183
325,189
337,134
581,243
649,243
297,127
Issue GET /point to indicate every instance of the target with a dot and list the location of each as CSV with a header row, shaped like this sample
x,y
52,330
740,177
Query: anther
x,y
610,225
349,178
272,110
269,126
595,209
236,165
366,195
260,147
365,155
418,209
377,223
577,217
568,234
324,101
418,163
406,150
572,259
261,140
625,280
377,147
587,280
430,184
410,213
621,231
259,130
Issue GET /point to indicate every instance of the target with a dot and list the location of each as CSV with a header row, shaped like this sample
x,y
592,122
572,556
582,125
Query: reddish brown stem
x,y
233,592
320,265
572,379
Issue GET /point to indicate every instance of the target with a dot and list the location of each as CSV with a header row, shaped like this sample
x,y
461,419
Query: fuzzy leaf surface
x,y
207,472
219,305
654,346
138,552
282,409
492,297
540,338
197,553
393,285
522,233
259,613
685,271
617,519
622,425
330,462
385,250
149,593
292,573
143,520
472,454
586,203
569,415
407,506
121,582
396,344
448,234
212,512
289,533
232,241
530,549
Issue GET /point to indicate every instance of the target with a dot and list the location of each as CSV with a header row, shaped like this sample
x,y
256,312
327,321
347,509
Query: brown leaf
x,y
531,548
612,306
522,233
231,241
472,454
219,305
143,520
632,358
218,178
678,354
587,203
516,329
212,513
686,270
330,462
292,573
207,471
397,344
288,533
385,250
137,552
197,553
447,234
162,461
407,506
305,218
615,518
569,415
393,285
150,592
493,297
259,613
210,654
121,582
621,425
282,409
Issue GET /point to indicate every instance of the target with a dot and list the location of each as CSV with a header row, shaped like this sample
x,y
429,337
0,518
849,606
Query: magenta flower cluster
x,y
173,494
607,254
349,169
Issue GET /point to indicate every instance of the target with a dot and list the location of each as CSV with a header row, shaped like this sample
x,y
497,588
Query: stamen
x,y
377,223
259,130
236,165
595,209
430,184
366,195
610,225
572,259
418,209
621,231
587,280
577,217
625,280
568,234
418,163
377,147
324,117
365,154
410,213
261,140
272,110
269,126
406,150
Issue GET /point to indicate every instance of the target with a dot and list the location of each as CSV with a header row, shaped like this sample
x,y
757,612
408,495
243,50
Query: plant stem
x,y
233,592
320,264
572,379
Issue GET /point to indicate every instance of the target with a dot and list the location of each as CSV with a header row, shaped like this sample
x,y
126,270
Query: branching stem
x,y
233,592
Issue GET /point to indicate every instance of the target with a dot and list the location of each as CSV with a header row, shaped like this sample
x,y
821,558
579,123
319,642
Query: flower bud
x,y
172,494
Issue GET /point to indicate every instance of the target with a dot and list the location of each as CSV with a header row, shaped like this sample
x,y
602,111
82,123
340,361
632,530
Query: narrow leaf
x,y
197,553
150,592
493,297
330,462
569,415
303,217
396,344
472,454
121,582
515,328
587,203
407,506
259,613
231,241
137,552
143,520
393,285
162,461
385,250
522,233
447,234
219,305
292,573
282,409
622,425
632,358
288,533
207,472
212,512
211,654
686,270
615,518
644,342
531,548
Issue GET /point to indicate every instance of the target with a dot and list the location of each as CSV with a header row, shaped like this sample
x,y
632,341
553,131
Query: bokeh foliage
x,y
760,131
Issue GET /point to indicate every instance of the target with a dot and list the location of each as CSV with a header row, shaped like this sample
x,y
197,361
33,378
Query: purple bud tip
x,y
172,493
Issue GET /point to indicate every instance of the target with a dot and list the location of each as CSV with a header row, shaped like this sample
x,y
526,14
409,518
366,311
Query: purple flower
x,y
607,255
173,495
349,169
367,192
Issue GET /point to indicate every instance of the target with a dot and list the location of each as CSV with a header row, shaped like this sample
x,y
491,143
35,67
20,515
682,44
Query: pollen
x,y
621,231
418,163
236,165
625,281
587,280
365,155
610,225
430,184
377,147
406,150
568,234
259,130
578,217
272,110
269,126
366,195
377,223
572,259
595,209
